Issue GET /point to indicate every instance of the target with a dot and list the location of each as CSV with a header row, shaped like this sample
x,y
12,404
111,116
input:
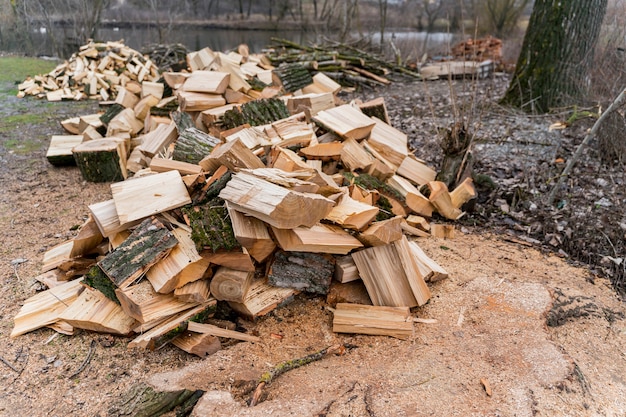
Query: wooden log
x,y
314,102
184,168
125,98
345,269
416,171
194,292
159,139
353,292
87,239
59,151
442,231
413,231
220,332
376,108
212,82
252,234
429,269
200,60
463,193
148,243
373,320
231,285
199,344
193,145
211,228
352,214
143,106
106,218
415,200
142,303
55,256
310,272
354,156
419,222
146,196
345,121
234,259
273,204
294,132
286,160
390,143
238,80
198,101
52,278
322,84
45,308
262,299
90,133
160,335
440,199
235,155
101,160
323,151
292,77
98,280
295,181
93,311
89,120
379,170
154,89
124,124
71,125
320,238
214,115
256,113
382,232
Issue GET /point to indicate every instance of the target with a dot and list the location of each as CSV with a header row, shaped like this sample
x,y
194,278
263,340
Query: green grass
x,y
10,123
22,147
15,69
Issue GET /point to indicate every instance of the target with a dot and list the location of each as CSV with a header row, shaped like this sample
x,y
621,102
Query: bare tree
x,y
382,8
503,15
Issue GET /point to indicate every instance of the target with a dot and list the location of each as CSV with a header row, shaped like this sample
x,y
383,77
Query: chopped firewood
x,y
231,285
163,333
184,168
215,114
413,231
352,214
89,120
125,98
376,108
199,101
101,160
273,204
235,259
237,78
256,113
210,226
419,222
93,311
194,292
148,243
324,151
212,82
159,139
87,238
44,308
353,292
389,142
263,298
391,275
200,60
146,196
52,278
440,198
199,344
252,234
154,89
143,106
71,125
354,156
292,77
319,238
60,149
416,171
373,320
287,160
310,272
194,145
295,181
463,193
314,102
345,121
345,269
235,155
220,332
142,303
90,133
414,200
124,124
382,232
294,132
379,170
322,84
57,255
430,270
105,216
442,231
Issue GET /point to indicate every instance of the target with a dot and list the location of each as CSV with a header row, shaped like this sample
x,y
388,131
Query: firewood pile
x,y
478,50
97,71
241,196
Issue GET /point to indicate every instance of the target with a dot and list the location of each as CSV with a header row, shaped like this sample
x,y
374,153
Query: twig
x,y
283,367
92,348
619,101
7,363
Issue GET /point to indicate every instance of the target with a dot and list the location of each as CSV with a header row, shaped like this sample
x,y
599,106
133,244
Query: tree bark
x,y
556,54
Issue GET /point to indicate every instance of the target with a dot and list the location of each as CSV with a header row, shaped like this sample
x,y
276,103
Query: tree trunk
x,y
556,54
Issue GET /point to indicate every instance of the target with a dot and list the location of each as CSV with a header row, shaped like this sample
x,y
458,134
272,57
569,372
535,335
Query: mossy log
x,y
150,242
293,76
144,401
457,160
101,160
111,112
256,113
98,280
183,120
310,272
369,182
211,227
193,145
213,190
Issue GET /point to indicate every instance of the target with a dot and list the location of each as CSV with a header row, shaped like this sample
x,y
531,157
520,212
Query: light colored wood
x,y
105,216
237,78
71,125
200,60
198,344
287,160
154,89
239,260
463,193
198,291
159,139
373,320
124,124
273,204
148,338
235,155
442,231
322,83
389,142
231,285
52,278
352,214
440,199
354,156
44,308
184,168
146,196
419,222
429,269
219,332
183,263
88,120
416,171
198,101
143,106
93,311
320,238
295,181
60,149
413,231
252,137
324,151
345,269
382,232
414,200
142,303
87,238
314,102
294,132
213,82
57,255
262,299
90,133
252,234
126,98
175,79
211,116
346,121
379,170
412,271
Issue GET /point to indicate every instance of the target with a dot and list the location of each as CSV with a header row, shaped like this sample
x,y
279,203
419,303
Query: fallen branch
x,y
7,363
283,367
619,101
81,368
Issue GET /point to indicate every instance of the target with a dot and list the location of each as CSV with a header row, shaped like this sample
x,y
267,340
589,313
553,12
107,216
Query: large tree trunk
x,y
556,55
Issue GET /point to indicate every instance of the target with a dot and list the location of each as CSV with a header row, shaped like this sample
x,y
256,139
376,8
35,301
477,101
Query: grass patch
x,y
9,123
15,69
22,146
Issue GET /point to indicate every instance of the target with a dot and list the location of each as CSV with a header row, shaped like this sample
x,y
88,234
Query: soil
x,y
520,316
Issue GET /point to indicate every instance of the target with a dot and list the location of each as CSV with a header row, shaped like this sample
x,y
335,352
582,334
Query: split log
x,y
90,120
211,228
143,401
463,193
71,125
376,108
60,149
292,77
124,124
93,311
353,292
148,243
373,320
419,222
146,196
345,121
286,160
101,160
212,82
184,168
256,113
219,332
352,214
442,231
125,98
159,139
323,151
313,102
252,234
322,84
429,269
295,181
98,280
234,259
413,231
416,171
193,145
310,272
382,232
105,216
143,106
273,204
235,155
214,115
87,239
415,200
345,269
440,199
194,292
262,299
57,255
319,238
198,101
231,285
199,344
354,156
389,142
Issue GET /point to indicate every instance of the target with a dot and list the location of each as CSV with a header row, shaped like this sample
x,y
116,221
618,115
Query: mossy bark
x,y
110,113
255,113
100,166
369,182
211,227
98,280
193,145
310,272
201,317
293,76
144,401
